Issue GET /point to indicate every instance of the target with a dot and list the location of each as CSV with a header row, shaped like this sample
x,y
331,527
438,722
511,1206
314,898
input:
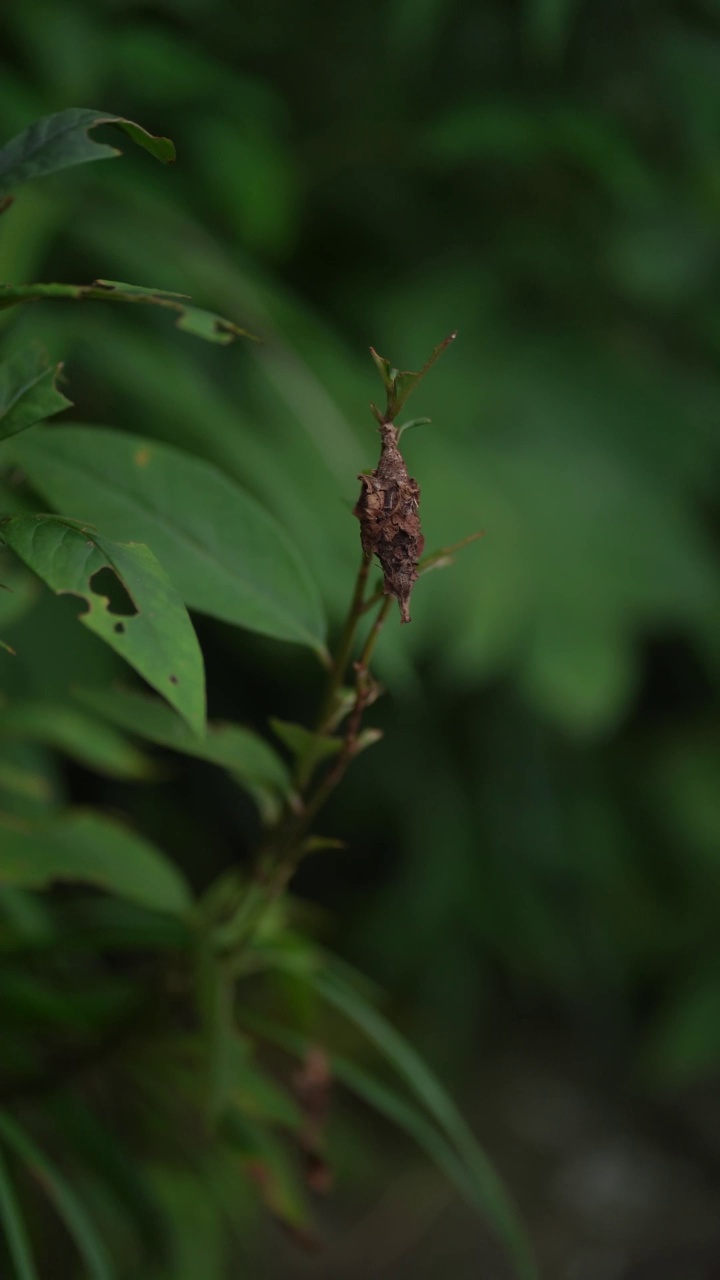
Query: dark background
x,y
533,869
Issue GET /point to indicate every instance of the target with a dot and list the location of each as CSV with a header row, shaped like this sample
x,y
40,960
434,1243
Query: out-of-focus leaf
x,y
684,1046
583,679
259,1097
235,1081
380,1098
80,845
227,556
193,1224
547,24
149,628
203,324
28,391
103,1150
20,593
68,1205
423,1083
686,794
15,1229
269,1166
243,753
24,782
79,736
61,140
303,742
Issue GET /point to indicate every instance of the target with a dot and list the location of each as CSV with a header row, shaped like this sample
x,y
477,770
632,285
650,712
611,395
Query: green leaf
x,y
400,384
150,628
203,324
244,754
427,1088
382,1099
104,1154
19,592
383,368
26,783
15,1232
61,140
79,736
27,391
80,845
69,1207
409,426
303,742
234,1079
269,1165
227,555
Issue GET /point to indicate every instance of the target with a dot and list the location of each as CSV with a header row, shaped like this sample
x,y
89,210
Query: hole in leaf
x,y
119,628
174,680
105,582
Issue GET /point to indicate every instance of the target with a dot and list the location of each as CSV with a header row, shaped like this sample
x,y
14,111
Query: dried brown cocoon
x,y
389,522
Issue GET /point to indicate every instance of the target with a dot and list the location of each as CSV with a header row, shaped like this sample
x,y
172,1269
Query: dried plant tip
x,y
389,522
312,1086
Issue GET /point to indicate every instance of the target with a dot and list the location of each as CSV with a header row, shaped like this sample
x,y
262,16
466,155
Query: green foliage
x,y
68,1205
28,391
228,557
212,545
79,736
202,324
62,140
536,839
17,1238
246,756
87,847
151,629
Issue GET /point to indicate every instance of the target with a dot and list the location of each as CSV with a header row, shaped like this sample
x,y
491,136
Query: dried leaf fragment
x,y
389,522
312,1085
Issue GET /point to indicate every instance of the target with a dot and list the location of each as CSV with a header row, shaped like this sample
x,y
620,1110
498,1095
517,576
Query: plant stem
x,y
337,672
363,690
279,857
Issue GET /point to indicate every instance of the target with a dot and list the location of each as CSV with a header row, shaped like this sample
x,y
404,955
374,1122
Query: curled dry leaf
x,y
312,1087
389,522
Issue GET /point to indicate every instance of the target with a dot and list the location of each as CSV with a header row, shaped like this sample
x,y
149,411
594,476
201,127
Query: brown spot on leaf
x,y
174,680
389,522
142,457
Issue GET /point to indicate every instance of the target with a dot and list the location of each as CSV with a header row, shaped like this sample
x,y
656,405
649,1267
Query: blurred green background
x,y
533,869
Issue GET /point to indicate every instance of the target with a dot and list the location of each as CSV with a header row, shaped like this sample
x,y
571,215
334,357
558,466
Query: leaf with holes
x,y
132,604
28,391
202,324
62,140
227,555
86,847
